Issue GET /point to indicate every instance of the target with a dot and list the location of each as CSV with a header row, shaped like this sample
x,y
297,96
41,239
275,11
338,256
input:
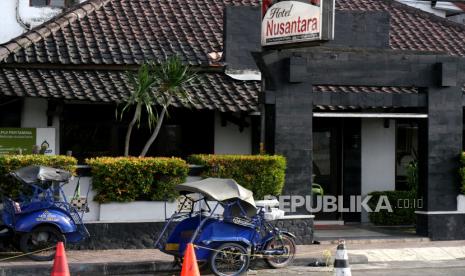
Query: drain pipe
x,y
19,20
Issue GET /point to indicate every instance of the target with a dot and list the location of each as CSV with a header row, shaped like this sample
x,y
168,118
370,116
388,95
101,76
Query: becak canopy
x,y
32,174
220,189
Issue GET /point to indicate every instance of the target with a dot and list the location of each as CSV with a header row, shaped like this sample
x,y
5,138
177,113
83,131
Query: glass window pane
x,y
38,3
57,3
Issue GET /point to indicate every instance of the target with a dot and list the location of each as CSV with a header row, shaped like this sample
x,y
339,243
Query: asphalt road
x,y
450,271
299,271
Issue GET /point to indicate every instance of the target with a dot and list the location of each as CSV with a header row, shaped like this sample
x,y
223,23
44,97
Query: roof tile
x,y
122,32
209,91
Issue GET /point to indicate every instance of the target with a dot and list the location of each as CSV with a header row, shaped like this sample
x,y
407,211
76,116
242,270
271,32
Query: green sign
x,y
17,140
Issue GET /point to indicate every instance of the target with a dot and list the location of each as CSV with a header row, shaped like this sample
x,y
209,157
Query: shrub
x,y
124,179
9,163
262,174
412,176
399,216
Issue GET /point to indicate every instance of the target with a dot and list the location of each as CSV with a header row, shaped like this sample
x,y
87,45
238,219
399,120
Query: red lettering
x,y
291,27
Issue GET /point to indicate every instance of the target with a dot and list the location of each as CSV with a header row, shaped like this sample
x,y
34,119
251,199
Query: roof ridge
x,y
39,32
429,15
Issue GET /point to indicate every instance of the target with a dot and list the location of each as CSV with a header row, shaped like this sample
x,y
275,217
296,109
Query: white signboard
x,y
291,21
45,139
26,140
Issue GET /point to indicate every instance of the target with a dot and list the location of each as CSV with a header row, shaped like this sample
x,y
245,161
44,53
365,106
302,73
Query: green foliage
x,y
142,95
155,85
171,77
462,172
9,163
398,200
412,176
262,174
123,179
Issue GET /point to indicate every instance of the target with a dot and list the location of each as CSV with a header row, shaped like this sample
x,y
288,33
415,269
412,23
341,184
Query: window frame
x,y
48,3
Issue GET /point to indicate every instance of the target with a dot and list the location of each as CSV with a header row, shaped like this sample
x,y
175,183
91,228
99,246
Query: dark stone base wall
x,y
134,235
441,227
139,235
301,228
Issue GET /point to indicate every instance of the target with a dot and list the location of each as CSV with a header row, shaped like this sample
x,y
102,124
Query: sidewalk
x,y
111,262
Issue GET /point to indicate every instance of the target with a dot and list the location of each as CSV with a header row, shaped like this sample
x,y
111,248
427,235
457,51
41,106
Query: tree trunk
x,y
130,127
154,134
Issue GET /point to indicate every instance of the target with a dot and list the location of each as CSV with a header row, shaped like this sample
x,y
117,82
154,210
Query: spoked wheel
x,y
42,241
229,259
287,244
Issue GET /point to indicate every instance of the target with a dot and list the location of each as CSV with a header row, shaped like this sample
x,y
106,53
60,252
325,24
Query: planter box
x,y
136,211
461,203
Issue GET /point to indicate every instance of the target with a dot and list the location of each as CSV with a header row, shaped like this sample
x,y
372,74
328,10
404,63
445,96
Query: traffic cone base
x,y
189,265
60,264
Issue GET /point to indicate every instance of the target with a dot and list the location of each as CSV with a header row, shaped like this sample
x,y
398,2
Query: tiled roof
x,y
360,89
129,32
210,91
413,29
126,32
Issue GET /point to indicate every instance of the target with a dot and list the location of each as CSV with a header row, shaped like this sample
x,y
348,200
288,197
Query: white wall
x,y
424,6
84,187
31,16
229,140
34,115
378,157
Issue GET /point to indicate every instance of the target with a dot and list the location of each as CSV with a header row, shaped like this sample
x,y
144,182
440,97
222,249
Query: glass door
x,y
325,167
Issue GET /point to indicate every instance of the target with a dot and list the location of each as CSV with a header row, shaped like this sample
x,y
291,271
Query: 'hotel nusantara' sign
x,y
295,21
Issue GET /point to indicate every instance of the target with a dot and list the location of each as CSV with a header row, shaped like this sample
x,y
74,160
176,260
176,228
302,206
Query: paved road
x,y
455,271
453,268
299,271
450,271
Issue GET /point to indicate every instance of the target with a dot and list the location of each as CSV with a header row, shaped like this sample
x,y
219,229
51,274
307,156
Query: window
x,y
47,3
406,150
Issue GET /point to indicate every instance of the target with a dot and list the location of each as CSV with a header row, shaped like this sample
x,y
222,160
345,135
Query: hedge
x,y
124,179
399,216
9,163
462,172
262,174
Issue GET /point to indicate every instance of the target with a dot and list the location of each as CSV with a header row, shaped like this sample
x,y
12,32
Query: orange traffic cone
x,y
189,265
60,264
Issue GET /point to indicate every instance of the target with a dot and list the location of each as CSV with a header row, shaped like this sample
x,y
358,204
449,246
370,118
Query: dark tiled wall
x,y
293,135
361,29
143,234
242,33
444,146
441,227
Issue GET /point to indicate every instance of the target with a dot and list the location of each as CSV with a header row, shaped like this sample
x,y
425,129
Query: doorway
x,y
327,153
337,163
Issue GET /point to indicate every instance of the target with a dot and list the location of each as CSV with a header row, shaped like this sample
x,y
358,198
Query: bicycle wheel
x,y
43,238
229,259
280,261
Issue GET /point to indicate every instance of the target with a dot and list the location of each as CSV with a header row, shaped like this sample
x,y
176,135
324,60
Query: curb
x,y
375,241
83,269
130,268
353,259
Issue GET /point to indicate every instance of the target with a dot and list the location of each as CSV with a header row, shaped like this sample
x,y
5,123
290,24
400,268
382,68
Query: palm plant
x,y
142,97
171,78
156,85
